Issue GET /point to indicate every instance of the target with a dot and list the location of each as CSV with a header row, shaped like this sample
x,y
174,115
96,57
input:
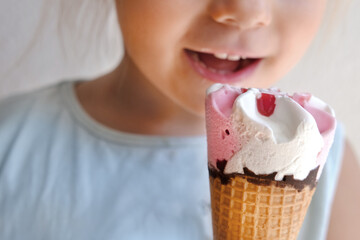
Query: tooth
x,y
221,55
243,58
233,58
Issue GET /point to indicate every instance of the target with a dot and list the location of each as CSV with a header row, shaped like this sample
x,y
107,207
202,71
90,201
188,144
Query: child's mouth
x,y
222,68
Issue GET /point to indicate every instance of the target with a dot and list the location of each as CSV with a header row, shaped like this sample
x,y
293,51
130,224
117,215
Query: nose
x,y
244,14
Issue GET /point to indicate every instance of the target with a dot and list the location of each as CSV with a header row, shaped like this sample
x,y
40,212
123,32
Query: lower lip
x,y
235,77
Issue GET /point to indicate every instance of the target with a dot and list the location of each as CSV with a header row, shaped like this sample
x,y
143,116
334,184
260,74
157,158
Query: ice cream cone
x,y
242,209
266,151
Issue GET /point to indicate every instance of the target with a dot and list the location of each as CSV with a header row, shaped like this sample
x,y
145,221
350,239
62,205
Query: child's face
x,y
173,42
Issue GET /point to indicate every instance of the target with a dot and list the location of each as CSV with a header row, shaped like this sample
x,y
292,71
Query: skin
x,y
344,223
155,91
156,72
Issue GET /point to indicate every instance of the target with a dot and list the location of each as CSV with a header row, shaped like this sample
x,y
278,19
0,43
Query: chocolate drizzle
x,y
221,164
268,179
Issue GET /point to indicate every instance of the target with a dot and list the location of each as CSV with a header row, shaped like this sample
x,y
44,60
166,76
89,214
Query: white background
x,y
46,41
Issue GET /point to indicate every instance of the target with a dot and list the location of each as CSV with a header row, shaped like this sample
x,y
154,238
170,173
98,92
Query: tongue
x,y
219,64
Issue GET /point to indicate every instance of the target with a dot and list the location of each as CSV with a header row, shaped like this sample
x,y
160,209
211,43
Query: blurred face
x,y
183,46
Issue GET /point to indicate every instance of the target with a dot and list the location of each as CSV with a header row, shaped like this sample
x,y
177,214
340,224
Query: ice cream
x,y
270,140
293,138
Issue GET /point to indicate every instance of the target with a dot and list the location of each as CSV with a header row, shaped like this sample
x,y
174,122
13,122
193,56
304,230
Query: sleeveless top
x,y
64,176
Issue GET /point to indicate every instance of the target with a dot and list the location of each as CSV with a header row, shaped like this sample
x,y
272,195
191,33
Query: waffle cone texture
x,y
245,210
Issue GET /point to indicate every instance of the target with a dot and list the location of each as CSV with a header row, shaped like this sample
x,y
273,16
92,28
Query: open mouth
x,y
222,67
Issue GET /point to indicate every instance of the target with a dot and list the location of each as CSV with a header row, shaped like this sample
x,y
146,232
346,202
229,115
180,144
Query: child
x,y
124,156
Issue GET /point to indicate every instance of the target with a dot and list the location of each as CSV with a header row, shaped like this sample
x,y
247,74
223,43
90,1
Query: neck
x,y
125,100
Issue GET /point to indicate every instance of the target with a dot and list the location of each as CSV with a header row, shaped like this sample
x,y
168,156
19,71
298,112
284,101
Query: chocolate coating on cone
x,y
268,179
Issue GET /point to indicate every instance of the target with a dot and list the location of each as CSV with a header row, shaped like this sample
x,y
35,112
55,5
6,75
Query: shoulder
x,y
20,106
29,97
13,103
317,218
346,203
25,116
339,139
336,152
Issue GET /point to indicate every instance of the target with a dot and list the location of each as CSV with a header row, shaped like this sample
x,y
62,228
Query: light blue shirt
x,y
64,176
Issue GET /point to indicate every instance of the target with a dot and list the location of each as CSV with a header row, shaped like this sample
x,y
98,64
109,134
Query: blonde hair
x,y
88,31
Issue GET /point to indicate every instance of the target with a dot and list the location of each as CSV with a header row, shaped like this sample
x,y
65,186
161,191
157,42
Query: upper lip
x,y
230,52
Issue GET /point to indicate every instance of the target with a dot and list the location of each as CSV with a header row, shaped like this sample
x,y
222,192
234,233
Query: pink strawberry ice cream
x,y
267,131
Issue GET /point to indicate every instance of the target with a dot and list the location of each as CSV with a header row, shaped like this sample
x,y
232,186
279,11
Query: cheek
x,y
154,33
143,30
296,23
299,21
152,30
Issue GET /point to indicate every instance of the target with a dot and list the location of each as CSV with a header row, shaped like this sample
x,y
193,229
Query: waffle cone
x,y
245,210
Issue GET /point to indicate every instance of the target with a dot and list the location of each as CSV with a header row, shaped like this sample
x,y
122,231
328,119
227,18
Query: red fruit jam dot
x,y
266,104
